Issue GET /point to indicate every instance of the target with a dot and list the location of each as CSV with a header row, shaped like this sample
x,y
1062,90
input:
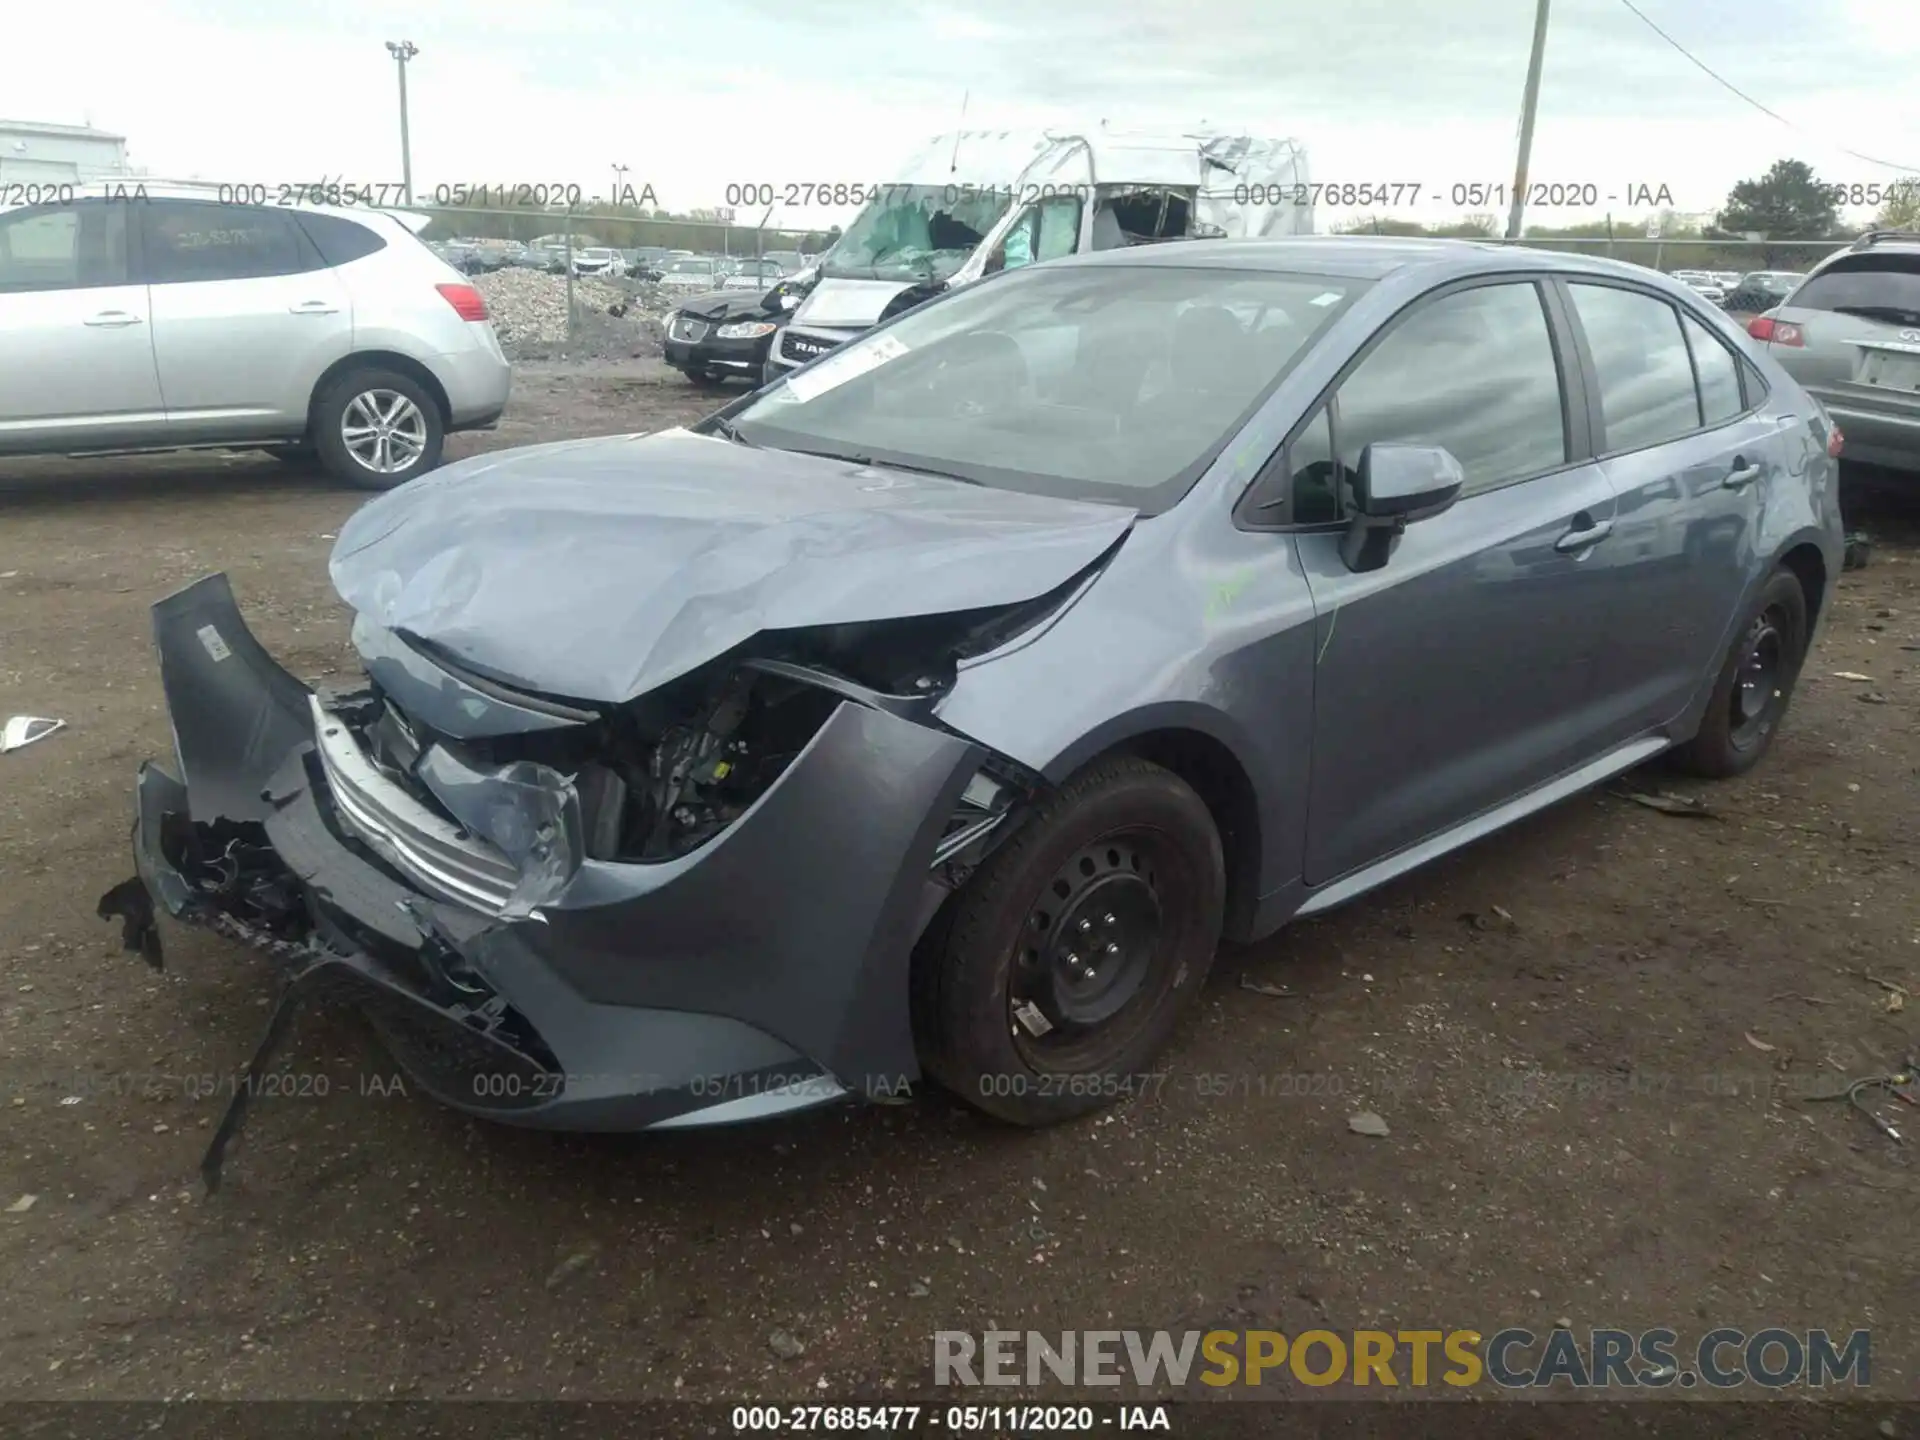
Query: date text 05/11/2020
x,y
1462,194
951,1419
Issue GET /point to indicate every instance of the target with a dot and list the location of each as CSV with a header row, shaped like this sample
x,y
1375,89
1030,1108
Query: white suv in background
x,y
599,260
170,320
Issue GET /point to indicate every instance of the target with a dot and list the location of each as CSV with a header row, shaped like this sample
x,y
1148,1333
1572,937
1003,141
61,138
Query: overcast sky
x,y
692,96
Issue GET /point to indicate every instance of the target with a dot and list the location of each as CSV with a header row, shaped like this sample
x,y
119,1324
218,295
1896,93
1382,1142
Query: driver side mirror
x,y
1396,485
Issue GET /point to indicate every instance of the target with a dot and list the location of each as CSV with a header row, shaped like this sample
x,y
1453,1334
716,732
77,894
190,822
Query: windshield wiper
x,y
1893,314
856,459
732,432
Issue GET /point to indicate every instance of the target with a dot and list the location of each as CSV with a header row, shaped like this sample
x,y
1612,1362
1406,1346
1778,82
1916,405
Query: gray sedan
x,y
937,710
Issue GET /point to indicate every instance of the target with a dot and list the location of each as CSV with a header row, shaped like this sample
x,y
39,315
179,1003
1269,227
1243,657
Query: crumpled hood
x,y
600,569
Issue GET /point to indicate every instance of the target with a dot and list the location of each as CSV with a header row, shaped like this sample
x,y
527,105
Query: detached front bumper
x,y
766,971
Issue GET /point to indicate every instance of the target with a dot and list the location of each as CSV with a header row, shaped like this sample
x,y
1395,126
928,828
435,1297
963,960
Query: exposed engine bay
x,y
662,775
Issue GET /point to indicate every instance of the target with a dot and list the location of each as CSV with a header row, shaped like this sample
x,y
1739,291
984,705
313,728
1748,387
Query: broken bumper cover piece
x,y
766,971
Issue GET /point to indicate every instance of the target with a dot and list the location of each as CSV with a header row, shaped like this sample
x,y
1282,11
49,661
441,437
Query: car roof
x,y
1359,257
132,189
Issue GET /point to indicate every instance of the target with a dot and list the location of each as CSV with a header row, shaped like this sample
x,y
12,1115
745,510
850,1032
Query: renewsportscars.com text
x,y
1513,1358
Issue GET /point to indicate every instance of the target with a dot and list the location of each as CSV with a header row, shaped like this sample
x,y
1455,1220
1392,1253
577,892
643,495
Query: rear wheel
x,y
377,429
1755,684
1073,951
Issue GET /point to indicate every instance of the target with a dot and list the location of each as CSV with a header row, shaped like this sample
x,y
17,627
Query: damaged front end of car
x,y
694,907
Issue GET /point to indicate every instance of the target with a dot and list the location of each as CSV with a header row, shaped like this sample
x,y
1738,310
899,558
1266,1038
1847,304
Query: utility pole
x,y
1527,107
619,175
403,51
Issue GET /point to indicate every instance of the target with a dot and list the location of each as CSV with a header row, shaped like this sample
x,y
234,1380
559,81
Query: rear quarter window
x,y
341,241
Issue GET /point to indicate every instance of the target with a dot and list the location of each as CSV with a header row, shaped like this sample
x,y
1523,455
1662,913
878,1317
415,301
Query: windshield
x,y
690,267
916,232
1115,383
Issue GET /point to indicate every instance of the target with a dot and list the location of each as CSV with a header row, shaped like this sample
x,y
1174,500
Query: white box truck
x,y
975,202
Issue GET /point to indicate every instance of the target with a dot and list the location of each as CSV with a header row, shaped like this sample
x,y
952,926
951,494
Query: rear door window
x,y
1640,358
1875,287
190,240
1717,371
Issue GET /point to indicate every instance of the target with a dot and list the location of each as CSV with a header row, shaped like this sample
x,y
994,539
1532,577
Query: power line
x,y
1721,80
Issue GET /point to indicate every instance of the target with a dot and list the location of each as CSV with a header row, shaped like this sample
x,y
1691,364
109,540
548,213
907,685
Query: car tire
x,y
1755,683
1125,850
374,392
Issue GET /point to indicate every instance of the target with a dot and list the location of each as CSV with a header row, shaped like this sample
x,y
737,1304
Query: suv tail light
x,y
1835,441
465,299
1775,332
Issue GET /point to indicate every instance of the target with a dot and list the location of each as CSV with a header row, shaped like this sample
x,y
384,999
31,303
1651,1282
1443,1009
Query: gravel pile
x,y
613,319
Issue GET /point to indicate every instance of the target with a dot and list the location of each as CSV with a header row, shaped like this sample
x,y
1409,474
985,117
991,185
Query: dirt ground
x,y
1588,1037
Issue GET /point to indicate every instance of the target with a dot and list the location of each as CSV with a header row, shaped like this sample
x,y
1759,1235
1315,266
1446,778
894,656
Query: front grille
x,y
685,328
426,847
804,347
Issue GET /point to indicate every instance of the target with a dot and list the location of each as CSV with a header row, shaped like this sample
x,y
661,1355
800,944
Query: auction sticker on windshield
x,y
843,366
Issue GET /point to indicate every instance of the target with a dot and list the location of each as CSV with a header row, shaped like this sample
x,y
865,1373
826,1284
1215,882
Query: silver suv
x,y
171,320
1850,333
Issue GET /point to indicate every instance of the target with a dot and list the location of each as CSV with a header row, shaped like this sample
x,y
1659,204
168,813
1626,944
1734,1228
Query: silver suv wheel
x,y
383,431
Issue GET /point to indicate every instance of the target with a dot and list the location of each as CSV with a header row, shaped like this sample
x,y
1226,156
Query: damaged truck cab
x,y
976,203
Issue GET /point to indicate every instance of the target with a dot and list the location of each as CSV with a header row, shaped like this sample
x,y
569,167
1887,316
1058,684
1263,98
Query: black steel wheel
x,y
1755,683
1072,952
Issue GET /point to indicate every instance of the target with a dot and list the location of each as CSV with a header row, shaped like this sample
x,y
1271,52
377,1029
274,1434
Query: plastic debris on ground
x,y
24,730
1261,987
1688,806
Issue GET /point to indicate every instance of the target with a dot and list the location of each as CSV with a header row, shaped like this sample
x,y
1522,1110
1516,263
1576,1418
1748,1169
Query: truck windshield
x,y
916,232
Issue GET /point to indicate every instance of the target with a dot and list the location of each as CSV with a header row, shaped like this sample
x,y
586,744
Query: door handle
x,y
1741,476
1583,537
112,319
313,307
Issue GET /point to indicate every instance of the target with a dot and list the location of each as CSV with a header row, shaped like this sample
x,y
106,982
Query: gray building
x,y
31,152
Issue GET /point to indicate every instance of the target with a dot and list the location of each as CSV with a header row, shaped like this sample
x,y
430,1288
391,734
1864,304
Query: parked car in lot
x,y
600,261
462,255
1702,284
756,275
648,262
1762,290
692,274
1006,658
182,322
1850,333
534,257
495,255
723,335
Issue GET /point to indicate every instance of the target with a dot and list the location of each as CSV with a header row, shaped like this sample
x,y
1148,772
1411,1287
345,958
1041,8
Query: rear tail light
x,y
1835,441
1775,332
465,299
